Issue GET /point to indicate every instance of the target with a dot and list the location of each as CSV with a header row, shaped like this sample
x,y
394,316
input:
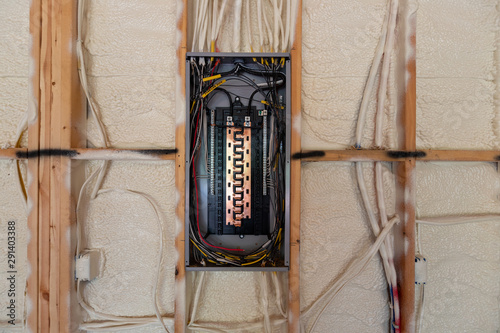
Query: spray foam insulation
x,y
463,288
14,67
14,81
131,60
457,74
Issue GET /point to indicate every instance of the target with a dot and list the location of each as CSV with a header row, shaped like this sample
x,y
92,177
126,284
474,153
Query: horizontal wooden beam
x,y
372,155
461,155
348,155
90,154
12,153
124,154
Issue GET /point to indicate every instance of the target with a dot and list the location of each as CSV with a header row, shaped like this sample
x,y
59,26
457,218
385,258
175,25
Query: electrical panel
x,y
237,161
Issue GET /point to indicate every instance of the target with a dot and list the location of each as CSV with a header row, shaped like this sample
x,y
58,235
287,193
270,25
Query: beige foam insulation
x,y
457,74
14,67
234,298
131,67
14,80
334,232
12,209
463,282
131,61
339,39
124,228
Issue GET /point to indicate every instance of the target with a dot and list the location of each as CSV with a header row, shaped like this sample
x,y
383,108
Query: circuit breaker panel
x,y
238,188
237,161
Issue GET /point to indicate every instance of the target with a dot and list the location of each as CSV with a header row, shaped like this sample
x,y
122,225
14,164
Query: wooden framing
x,y
180,175
348,155
55,88
404,232
32,290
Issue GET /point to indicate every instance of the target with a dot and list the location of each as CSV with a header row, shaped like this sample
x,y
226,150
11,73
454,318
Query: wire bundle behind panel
x,y
275,20
208,80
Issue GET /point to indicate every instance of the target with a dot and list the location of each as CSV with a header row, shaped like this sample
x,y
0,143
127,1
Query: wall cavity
x,y
463,287
457,74
339,41
132,63
334,232
124,228
15,46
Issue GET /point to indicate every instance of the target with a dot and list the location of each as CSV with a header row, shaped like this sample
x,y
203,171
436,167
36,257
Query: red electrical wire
x,y
197,204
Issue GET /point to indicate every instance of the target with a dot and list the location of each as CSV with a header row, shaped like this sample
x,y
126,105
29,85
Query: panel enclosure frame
x,y
286,241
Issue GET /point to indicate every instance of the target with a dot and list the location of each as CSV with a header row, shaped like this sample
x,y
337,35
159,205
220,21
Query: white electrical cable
x,y
213,31
261,28
21,128
371,217
204,16
442,221
386,250
276,19
237,25
388,243
456,220
236,327
91,103
288,25
120,322
248,26
160,250
384,49
420,309
267,324
219,19
384,75
350,273
282,28
420,306
264,302
196,24
379,51
379,184
268,30
196,299
419,242
293,17
279,298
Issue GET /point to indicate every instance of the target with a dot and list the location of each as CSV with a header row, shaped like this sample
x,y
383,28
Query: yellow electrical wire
x,y
18,164
198,248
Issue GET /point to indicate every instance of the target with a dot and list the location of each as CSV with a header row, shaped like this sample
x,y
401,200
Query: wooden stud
x,y
32,290
44,169
59,92
67,95
295,177
404,232
180,179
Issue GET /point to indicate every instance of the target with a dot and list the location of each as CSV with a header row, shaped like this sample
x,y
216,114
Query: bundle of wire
x,y
203,89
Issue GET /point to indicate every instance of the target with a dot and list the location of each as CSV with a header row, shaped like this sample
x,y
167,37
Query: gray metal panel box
x,y
237,161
